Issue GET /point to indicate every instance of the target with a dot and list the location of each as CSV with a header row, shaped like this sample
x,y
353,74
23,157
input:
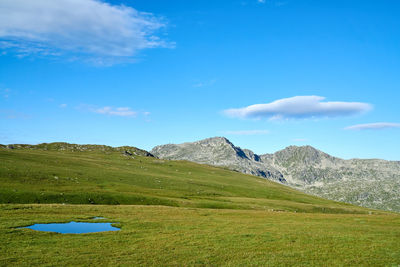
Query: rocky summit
x,y
370,183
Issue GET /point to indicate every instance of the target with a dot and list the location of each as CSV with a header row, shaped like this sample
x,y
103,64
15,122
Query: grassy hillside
x,y
183,214
104,176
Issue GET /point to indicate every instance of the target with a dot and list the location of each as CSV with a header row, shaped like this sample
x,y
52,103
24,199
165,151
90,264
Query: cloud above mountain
x,y
299,107
89,29
374,126
121,111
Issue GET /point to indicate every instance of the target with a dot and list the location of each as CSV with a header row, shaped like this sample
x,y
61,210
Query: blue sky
x,y
144,73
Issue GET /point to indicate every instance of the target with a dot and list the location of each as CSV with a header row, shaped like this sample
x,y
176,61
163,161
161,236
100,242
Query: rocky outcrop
x,y
371,183
219,151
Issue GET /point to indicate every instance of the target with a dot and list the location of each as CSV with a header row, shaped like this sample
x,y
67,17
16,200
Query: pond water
x,y
73,227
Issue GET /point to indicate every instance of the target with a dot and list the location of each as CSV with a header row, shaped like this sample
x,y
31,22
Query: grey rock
x,y
370,183
218,151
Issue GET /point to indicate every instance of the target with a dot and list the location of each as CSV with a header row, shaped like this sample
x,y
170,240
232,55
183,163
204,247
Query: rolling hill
x,y
90,174
174,213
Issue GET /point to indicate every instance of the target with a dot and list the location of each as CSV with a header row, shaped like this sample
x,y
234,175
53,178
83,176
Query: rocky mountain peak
x,y
302,155
370,183
214,141
218,151
219,147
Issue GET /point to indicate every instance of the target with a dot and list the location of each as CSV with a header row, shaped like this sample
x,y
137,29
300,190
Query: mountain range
x,y
371,183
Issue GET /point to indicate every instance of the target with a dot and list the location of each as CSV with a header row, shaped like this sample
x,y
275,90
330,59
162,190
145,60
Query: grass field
x,y
174,213
171,236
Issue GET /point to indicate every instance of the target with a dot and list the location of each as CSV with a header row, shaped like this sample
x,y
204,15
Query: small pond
x,y
73,227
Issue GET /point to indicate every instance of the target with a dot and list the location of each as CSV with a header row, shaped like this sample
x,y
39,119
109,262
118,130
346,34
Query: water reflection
x,y
73,227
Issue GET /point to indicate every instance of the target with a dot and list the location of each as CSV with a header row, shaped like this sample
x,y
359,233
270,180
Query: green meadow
x,y
176,213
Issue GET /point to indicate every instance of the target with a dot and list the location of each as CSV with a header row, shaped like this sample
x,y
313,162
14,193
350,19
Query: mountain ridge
x,y
242,160
373,183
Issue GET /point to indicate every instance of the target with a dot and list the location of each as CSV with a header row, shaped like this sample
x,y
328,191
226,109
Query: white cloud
x,y
374,126
247,132
63,105
299,107
275,3
121,112
89,29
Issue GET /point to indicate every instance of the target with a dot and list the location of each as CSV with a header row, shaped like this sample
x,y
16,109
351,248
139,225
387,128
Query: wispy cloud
x,y
374,126
247,132
63,105
13,114
276,3
5,92
121,112
205,83
298,107
92,30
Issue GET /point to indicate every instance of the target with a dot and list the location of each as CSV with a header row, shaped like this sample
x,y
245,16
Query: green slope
x,y
183,214
72,174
